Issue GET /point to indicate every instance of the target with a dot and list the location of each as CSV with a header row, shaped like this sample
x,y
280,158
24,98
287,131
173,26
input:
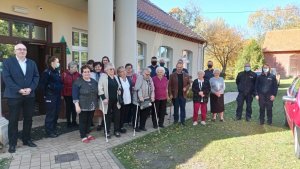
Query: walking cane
x,y
136,112
104,122
156,117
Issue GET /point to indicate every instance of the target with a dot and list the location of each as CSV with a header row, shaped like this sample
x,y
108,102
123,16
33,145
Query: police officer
x,y
266,89
209,72
51,84
245,82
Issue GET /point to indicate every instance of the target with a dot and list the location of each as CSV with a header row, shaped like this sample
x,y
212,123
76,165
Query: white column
x,y
126,30
100,29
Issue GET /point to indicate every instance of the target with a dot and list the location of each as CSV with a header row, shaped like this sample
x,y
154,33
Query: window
x,y
80,46
39,33
167,54
20,30
187,57
141,47
4,25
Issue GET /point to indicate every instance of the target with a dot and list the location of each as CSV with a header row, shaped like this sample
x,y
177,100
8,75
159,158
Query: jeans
x,y
15,106
179,102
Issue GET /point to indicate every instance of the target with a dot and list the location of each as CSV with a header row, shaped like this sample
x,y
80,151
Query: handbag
x,y
145,104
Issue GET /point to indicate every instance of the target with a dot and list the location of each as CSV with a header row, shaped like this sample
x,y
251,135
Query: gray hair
x,y
108,66
145,69
201,72
216,71
160,68
72,64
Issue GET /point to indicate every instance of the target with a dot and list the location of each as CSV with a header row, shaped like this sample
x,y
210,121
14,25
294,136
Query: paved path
x,y
92,155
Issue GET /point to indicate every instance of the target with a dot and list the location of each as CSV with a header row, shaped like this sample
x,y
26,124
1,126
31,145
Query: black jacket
x,y
245,82
51,83
266,84
196,89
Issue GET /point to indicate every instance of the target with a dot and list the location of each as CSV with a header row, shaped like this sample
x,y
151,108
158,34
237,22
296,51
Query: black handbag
x,y
145,104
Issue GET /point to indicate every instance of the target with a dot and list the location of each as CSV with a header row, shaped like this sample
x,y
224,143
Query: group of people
x,y
121,95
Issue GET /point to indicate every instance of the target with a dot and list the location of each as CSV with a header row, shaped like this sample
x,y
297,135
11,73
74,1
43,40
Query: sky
x,y
211,8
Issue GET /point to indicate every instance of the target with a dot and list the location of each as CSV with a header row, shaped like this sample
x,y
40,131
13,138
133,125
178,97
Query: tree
x,y
252,54
224,42
263,20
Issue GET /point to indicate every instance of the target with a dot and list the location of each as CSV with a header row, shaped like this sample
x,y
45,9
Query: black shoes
x,y
117,134
155,127
74,124
99,127
12,149
161,126
29,143
143,129
137,130
52,135
248,119
182,123
238,118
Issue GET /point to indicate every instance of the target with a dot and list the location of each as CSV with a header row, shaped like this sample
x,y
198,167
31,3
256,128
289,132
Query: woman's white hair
x,y
201,72
160,68
108,65
145,69
216,70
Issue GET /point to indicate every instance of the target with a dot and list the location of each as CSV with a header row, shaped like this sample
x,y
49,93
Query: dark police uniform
x,y
245,82
265,87
51,84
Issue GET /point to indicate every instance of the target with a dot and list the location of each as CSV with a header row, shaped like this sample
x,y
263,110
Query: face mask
x,y
154,63
57,65
247,68
266,70
209,66
162,64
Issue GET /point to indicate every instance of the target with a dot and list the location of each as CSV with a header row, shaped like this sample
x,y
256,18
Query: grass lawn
x,y
232,144
230,86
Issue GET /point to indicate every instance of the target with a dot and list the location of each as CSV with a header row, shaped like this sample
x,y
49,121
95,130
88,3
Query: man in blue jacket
x,y
21,78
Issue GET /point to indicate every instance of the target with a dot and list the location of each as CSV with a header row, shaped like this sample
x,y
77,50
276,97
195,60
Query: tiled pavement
x,y
93,155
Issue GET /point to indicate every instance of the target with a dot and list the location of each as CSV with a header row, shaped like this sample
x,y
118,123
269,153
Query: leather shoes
x,y
143,129
29,143
137,130
52,135
12,149
123,130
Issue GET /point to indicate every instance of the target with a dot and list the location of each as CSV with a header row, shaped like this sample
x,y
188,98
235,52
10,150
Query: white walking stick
x,y
104,122
136,113
156,117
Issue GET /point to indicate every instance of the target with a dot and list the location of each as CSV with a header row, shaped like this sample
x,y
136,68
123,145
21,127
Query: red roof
x,y
151,17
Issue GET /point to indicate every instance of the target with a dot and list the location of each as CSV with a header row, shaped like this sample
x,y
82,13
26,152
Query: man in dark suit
x,y
21,78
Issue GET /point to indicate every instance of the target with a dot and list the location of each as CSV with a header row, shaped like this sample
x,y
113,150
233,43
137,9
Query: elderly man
x,y
21,78
178,87
245,82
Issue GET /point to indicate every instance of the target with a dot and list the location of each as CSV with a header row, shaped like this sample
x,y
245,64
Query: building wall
x,y
286,64
154,40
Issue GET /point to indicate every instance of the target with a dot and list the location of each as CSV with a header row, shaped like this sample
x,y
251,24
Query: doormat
x,y
62,158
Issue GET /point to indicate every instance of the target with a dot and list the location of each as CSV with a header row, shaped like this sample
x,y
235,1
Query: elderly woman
x,y
201,89
51,85
160,82
109,89
68,77
217,95
85,99
142,97
126,86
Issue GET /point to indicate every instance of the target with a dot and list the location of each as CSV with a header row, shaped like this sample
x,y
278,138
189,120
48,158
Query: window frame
x,y
169,56
80,49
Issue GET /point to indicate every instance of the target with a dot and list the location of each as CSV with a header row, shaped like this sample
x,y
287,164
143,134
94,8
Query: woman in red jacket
x,y
68,77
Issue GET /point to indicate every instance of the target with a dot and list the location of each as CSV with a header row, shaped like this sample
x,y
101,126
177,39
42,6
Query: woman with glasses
x,y
109,89
85,98
142,97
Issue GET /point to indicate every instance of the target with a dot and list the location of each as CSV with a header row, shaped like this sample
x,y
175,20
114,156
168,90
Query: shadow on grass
x,y
175,145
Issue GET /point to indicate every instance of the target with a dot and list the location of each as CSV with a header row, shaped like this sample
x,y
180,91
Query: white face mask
x,y
266,70
57,65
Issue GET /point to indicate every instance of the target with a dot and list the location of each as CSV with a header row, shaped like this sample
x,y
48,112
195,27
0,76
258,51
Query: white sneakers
x,y
195,123
203,123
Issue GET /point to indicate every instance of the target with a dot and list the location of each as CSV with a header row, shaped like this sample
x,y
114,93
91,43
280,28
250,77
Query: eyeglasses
x,y
21,49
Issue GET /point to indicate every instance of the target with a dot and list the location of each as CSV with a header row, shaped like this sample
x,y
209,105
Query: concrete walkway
x,y
93,155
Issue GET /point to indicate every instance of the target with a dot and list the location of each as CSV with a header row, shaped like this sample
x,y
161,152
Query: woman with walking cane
x,y
109,89
142,97
161,94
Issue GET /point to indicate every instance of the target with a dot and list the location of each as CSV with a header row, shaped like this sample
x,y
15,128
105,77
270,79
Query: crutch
x,y
170,115
156,117
136,113
104,122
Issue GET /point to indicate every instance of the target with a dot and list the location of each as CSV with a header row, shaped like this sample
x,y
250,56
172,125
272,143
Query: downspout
x,y
202,54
